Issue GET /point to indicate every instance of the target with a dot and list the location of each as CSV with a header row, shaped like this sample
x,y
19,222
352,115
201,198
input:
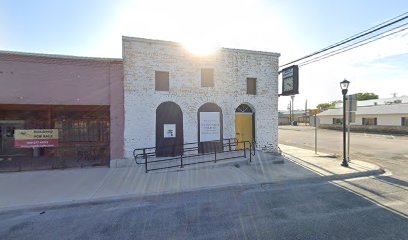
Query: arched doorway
x,y
244,124
169,130
210,128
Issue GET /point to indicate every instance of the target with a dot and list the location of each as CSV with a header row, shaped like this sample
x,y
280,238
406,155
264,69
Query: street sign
x,y
351,103
315,121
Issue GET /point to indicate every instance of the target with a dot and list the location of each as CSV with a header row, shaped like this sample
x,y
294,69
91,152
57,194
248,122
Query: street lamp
x,y
344,87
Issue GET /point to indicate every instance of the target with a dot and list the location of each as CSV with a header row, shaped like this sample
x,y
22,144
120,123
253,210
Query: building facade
x,y
159,95
80,97
170,95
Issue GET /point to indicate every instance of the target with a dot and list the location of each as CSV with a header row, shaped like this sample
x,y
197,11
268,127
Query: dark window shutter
x,y
207,77
162,81
251,86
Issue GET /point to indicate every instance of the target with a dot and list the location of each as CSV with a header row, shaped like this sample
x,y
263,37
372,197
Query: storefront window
x,y
10,131
84,131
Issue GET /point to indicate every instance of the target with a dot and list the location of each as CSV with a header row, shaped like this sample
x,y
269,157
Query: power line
x,y
354,37
372,28
350,47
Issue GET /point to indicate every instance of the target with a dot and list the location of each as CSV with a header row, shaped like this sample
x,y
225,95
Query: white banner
x,y
209,126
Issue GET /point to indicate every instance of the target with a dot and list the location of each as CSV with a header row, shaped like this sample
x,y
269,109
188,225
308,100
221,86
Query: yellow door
x,y
243,129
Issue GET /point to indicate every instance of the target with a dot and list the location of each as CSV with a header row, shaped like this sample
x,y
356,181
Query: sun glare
x,y
200,48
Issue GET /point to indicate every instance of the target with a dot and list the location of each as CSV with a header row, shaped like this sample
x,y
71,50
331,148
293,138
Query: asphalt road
x,y
315,210
387,151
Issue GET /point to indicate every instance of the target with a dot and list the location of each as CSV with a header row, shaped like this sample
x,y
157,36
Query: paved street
x,y
387,151
302,210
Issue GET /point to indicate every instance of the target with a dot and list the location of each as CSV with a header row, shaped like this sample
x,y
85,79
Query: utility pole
x,y
348,136
290,112
315,123
306,115
293,107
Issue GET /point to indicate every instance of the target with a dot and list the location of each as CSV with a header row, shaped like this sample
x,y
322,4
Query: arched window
x,y
243,108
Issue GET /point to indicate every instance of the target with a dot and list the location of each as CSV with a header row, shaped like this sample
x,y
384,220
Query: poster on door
x,y
209,126
169,130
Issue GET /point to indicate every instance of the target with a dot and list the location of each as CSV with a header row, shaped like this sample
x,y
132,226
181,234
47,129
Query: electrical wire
x,y
354,37
354,45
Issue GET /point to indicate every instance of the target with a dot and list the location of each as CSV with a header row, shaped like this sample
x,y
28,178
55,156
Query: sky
x,y
293,28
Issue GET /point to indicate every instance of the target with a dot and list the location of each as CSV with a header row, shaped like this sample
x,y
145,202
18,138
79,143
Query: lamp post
x,y
344,87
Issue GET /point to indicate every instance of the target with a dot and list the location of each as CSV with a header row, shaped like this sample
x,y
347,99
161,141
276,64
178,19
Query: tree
x,y
324,106
366,96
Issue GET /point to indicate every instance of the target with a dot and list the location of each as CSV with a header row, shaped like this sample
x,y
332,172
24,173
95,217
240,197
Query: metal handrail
x,y
144,150
226,147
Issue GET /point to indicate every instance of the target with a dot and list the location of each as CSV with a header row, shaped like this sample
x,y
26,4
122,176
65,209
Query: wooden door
x,y
244,129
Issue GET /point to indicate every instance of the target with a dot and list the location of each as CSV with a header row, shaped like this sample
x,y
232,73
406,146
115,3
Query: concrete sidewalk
x,y
44,188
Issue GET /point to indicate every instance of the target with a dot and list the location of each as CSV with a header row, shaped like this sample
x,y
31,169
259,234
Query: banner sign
x,y
209,126
31,138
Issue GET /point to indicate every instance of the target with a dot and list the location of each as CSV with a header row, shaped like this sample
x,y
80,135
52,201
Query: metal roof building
x,y
384,115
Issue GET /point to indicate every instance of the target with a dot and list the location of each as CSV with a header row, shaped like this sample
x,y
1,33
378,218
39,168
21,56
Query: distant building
x,y
300,116
380,101
283,119
375,118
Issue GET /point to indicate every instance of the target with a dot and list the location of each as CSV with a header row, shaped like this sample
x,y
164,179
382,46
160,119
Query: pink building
x,y
80,97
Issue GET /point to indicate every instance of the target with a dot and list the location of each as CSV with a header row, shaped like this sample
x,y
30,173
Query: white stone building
x,y
167,90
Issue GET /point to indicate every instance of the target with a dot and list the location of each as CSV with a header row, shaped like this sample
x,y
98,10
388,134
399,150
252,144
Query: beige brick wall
x,y
142,57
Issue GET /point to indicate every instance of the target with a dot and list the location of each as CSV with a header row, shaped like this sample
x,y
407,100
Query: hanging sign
x,y
290,81
169,130
209,126
31,138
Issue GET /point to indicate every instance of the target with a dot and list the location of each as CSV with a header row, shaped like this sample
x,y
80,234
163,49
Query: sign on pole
x,y
351,103
351,117
351,106
315,121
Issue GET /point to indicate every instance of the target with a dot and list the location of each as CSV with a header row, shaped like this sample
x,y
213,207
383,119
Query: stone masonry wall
x,y
142,57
